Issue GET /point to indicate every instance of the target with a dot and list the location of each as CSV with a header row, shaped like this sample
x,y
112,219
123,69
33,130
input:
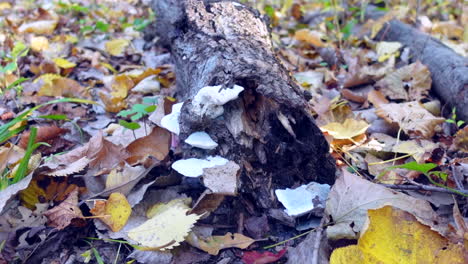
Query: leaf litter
x,y
120,161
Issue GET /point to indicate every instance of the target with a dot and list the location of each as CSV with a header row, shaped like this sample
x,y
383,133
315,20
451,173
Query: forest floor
x,y
91,170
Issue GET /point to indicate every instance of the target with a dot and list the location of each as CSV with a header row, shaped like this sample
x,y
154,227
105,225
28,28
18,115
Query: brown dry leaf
x,y
114,212
104,155
360,73
377,98
311,37
450,29
412,118
113,104
395,236
101,156
214,244
44,134
375,168
156,144
461,225
207,203
62,215
410,83
461,139
10,155
222,179
352,196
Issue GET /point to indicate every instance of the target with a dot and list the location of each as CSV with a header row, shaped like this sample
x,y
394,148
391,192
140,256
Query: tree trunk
x,y
268,130
449,70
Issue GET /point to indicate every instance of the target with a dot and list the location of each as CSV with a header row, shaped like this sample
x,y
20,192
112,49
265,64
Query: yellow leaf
x,y
5,5
166,229
121,85
114,212
161,207
117,46
347,130
395,236
387,49
63,63
39,44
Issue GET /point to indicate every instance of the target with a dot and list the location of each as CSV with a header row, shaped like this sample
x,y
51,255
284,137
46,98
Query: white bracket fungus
x,y
201,140
304,198
194,167
171,121
209,100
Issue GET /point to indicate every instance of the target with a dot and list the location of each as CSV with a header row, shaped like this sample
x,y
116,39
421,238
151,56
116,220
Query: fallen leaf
x,y
114,212
10,191
349,129
412,118
311,37
461,139
406,241
39,44
386,49
116,47
352,196
63,63
62,215
44,134
411,83
156,144
125,177
164,230
255,257
214,244
222,179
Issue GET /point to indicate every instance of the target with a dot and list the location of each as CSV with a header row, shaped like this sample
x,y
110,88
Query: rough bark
x,y
449,70
268,130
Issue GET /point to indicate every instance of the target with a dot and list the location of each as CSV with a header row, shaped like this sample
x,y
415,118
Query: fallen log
x,y
449,70
268,130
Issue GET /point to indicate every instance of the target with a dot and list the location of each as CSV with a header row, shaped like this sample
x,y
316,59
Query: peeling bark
x,y
268,130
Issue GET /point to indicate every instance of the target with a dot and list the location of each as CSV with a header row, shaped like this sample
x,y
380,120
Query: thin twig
x,y
422,188
318,238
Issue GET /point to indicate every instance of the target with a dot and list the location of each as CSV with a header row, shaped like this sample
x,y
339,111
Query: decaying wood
x,y
449,70
268,129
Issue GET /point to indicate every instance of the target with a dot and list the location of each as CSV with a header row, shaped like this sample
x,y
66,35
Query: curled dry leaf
x,y
214,244
412,118
461,139
156,144
114,212
62,215
411,83
406,241
352,196
44,134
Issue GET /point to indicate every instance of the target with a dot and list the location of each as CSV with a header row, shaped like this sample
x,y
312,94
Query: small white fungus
x,y
201,140
194,167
